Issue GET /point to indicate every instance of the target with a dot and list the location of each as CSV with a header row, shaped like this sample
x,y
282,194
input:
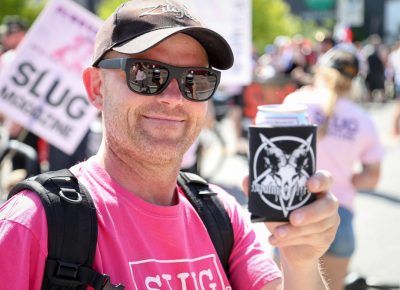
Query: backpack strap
x,y
212,213
72,231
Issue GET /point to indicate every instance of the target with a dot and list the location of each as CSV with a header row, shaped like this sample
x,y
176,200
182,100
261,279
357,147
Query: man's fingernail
x,y
316,183
281,232
298,218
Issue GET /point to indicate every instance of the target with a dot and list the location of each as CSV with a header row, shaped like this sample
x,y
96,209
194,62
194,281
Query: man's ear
x,y
92,79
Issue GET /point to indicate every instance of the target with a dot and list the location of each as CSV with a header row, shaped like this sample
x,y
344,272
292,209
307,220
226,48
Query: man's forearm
x,y
303,277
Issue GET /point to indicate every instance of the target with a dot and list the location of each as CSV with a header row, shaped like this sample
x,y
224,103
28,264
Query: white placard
x,y
42,88
231,19
351,12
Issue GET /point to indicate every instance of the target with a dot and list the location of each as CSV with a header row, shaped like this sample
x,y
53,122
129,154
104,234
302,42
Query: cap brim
x,y
218,50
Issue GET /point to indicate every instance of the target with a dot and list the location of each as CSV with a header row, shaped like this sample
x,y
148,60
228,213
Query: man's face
x,y
11,40
158,128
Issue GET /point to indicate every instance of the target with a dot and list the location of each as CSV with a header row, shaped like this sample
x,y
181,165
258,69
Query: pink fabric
x,y
140,245
352,137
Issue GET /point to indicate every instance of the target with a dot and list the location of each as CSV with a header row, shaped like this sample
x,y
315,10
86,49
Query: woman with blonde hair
x,y
347,137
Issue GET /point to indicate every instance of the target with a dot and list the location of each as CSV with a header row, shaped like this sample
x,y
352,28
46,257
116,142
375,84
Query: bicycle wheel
x,y
210,153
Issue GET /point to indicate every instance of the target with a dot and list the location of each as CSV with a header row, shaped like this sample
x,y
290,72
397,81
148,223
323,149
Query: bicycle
x,y
8,175
211,152
217,142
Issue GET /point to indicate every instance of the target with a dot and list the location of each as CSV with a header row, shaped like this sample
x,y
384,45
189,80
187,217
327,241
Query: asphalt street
x,y
377,218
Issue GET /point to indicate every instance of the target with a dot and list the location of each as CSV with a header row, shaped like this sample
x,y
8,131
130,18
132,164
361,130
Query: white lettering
x,y
183,277
208,274
168,8
194,280
167,278
203,280
151,280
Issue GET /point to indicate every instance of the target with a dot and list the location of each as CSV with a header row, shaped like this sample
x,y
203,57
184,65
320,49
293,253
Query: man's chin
x,y
167,148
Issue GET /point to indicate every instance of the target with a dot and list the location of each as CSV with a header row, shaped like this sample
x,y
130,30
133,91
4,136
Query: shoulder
x,y
346,106
228,199
233,202
305,94
314,99
22,208
24,217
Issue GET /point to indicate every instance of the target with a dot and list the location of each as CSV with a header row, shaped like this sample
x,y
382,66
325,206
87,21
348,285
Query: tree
x,y
272,18
106,7
27,9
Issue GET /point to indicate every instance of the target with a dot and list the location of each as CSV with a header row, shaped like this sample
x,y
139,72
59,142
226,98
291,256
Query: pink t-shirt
x,y
351,138
141,245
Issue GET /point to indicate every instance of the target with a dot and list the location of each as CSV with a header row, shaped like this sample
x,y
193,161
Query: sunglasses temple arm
x,y
113,63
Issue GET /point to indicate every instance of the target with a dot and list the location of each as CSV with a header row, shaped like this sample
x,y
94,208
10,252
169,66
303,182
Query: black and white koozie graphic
x,y
281,161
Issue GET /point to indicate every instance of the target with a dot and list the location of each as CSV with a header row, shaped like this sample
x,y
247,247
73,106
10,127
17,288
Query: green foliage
x,y
320,4
27,9
272,18
106,7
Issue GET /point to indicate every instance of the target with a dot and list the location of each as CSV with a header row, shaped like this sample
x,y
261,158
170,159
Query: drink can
x,y
282,158
282,115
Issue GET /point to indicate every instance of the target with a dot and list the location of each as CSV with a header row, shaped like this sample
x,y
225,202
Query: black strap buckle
x,y
70,195
67,270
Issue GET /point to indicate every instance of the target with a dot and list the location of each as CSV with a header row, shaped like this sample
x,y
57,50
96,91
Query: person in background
x,y
14,29
149,234
396,119
346,136
394,67
375,78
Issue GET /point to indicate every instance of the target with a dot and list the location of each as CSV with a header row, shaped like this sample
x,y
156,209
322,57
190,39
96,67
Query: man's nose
x,y
172,94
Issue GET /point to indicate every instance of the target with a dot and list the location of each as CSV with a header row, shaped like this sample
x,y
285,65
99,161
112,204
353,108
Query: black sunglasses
x,y
149,77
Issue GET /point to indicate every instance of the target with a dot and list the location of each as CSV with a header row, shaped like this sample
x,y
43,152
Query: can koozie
x,y
281,161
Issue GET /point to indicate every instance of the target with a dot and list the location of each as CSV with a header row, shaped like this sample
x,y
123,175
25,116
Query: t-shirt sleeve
x,y
250,264
23,234
373,150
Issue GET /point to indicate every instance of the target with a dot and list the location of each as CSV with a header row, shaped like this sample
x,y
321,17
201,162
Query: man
x,y
13,30
149,236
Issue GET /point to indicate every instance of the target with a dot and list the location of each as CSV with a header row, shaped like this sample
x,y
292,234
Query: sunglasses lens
x,y
199,85
150,78
147,78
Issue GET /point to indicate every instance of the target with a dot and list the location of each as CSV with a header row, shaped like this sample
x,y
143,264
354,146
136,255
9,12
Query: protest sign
x,y
42,89
232,19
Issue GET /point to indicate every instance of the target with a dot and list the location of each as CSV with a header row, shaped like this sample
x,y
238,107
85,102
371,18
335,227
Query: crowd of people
x,y
291,63
334,79
298,57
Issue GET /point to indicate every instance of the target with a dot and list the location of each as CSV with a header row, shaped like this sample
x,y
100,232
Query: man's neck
x,y
153,183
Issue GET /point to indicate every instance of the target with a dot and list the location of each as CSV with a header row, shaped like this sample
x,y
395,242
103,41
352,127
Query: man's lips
x,y
164,119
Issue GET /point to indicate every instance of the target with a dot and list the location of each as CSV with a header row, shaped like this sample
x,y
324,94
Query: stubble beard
x,y
137,145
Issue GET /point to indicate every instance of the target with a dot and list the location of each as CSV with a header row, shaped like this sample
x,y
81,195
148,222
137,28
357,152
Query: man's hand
x,y
311,229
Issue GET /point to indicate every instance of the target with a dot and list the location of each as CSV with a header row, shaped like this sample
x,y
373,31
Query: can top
x,y
282,115
283,108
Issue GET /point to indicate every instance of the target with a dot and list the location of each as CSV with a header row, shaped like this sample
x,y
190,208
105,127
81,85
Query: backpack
x,y
72,227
